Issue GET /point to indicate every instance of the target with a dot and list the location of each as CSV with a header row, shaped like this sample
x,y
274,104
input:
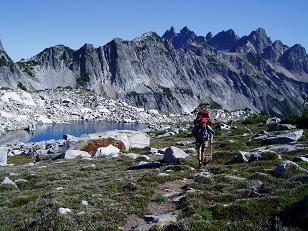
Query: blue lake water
x,y
56,131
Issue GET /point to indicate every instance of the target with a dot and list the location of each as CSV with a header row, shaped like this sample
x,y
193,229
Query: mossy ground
x,y
208,203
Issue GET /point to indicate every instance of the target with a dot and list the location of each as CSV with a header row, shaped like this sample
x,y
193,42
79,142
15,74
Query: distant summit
x,y
224,40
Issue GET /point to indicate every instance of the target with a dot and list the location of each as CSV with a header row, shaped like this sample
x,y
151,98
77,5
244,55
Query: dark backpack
x,y
200,132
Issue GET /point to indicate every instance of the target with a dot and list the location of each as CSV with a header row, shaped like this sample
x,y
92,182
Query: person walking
x,y
203,133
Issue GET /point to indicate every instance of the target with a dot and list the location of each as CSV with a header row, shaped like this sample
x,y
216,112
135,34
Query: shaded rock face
x,y
255,42
274,51
174,72
224,40
295,58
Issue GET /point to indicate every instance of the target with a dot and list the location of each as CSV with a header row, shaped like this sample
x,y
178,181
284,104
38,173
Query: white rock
x,y
3,155
73,154
59,188
131,139
110,150
85,203
21,97
102,109
173,155
8,182
21,181
153,111
63,211
44,120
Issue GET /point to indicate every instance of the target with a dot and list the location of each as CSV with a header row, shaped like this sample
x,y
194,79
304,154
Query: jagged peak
x,y
185,30
169,33
1,46
88,46
298,48
259,32
209,36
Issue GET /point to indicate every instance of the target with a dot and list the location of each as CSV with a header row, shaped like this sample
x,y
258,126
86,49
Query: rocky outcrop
x,y
255,42
295,59
174,155
224,40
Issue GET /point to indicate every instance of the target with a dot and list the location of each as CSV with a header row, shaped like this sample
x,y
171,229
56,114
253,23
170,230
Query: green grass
x,y
160,199
219,203
256,119
20,159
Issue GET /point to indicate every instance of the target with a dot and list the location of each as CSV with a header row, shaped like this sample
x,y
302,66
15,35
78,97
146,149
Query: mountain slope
x,y
178,71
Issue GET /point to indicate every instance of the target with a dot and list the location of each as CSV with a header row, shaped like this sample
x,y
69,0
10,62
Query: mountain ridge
x,y
177,71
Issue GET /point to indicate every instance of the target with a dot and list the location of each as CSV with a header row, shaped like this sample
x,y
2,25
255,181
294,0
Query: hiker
x,y
202,133
204,113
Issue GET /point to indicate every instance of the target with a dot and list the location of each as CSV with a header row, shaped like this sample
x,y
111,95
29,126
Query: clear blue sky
x,y
29,26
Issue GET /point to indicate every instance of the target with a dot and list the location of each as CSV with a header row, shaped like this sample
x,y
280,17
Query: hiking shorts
x,y
201,142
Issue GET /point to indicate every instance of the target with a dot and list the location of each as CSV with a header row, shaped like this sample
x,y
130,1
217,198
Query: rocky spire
x,y
1,46
259,39
224,40
169,34
209,36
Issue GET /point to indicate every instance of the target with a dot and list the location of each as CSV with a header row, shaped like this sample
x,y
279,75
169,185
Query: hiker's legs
x,y
200,152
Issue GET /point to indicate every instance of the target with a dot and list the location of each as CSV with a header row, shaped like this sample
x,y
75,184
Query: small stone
x,y
240,158
8,182
163,174
85,203
59,188
63,211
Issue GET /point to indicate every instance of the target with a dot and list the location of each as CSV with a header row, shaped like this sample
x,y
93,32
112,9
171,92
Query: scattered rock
x,y
3,155
284,138
85,203
183,143
73,154
285,148
150,151
7,182
273,120
190,151
163,174
301,158
144,164
174,155
91,146
20,182
262,135
109,151
63,211
240,158
255,184
69,137
131,139
163,218
285,167
88,167
281,127
130,186
137,156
